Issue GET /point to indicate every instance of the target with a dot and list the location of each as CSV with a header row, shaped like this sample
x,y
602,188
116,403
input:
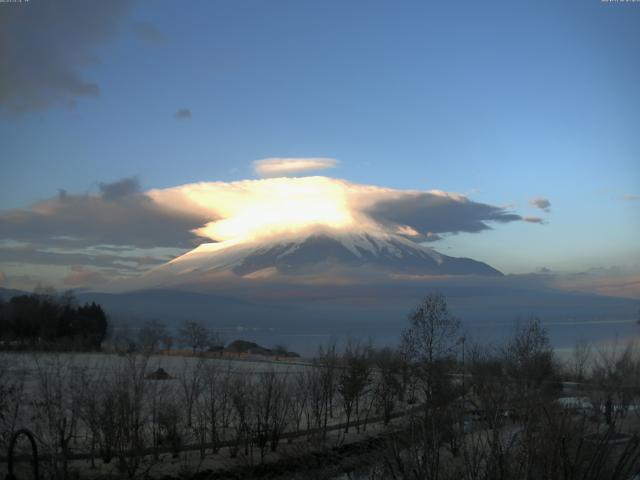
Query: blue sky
x,y
503,101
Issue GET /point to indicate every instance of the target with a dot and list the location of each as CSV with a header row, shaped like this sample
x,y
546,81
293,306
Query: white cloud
x,y
280,167
251,208
121,214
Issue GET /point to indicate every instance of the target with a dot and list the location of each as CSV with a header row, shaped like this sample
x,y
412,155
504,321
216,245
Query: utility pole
x,y
461,341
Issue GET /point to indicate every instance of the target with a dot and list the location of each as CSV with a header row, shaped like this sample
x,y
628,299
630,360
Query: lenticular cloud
x,y
276,167
121,214
256,208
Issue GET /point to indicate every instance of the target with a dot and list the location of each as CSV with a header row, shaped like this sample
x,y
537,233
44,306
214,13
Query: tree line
x,y
45,319
154,336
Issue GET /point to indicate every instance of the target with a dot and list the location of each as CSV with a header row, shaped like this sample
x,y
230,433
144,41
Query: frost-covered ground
x,y
30,369
56,391
29,363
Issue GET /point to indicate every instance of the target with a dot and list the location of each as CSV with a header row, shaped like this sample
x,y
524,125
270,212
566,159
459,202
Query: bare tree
x,y
580,359
169,416
299,392
215,401
353,379
616,372
11,396
105,419
327,363
530,357
269,411
124,341
125,413
388,384
168,341
429,344
485,452
240,393
191,386
56,412
433,332
318,405
151,335
89,387
195,335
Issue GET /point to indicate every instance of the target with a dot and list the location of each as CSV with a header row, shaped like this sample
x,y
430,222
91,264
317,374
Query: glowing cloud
x,y
256,208
250,209
121,214
277,167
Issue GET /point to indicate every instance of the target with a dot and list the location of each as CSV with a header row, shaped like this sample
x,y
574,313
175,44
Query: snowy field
x,y
27,365
96,403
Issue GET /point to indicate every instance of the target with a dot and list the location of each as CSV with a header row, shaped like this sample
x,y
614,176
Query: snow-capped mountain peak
x,y
313,253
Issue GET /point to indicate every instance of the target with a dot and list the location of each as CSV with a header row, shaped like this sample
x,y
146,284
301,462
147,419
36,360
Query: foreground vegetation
x,y
46,320
437,406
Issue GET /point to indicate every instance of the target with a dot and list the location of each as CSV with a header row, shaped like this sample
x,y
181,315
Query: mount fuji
x,y
313,255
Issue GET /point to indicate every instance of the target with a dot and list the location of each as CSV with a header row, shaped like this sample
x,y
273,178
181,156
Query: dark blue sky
x,y
501,100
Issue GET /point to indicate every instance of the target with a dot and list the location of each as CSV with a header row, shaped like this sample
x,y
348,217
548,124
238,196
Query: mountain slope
x,y
313,255
394,254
